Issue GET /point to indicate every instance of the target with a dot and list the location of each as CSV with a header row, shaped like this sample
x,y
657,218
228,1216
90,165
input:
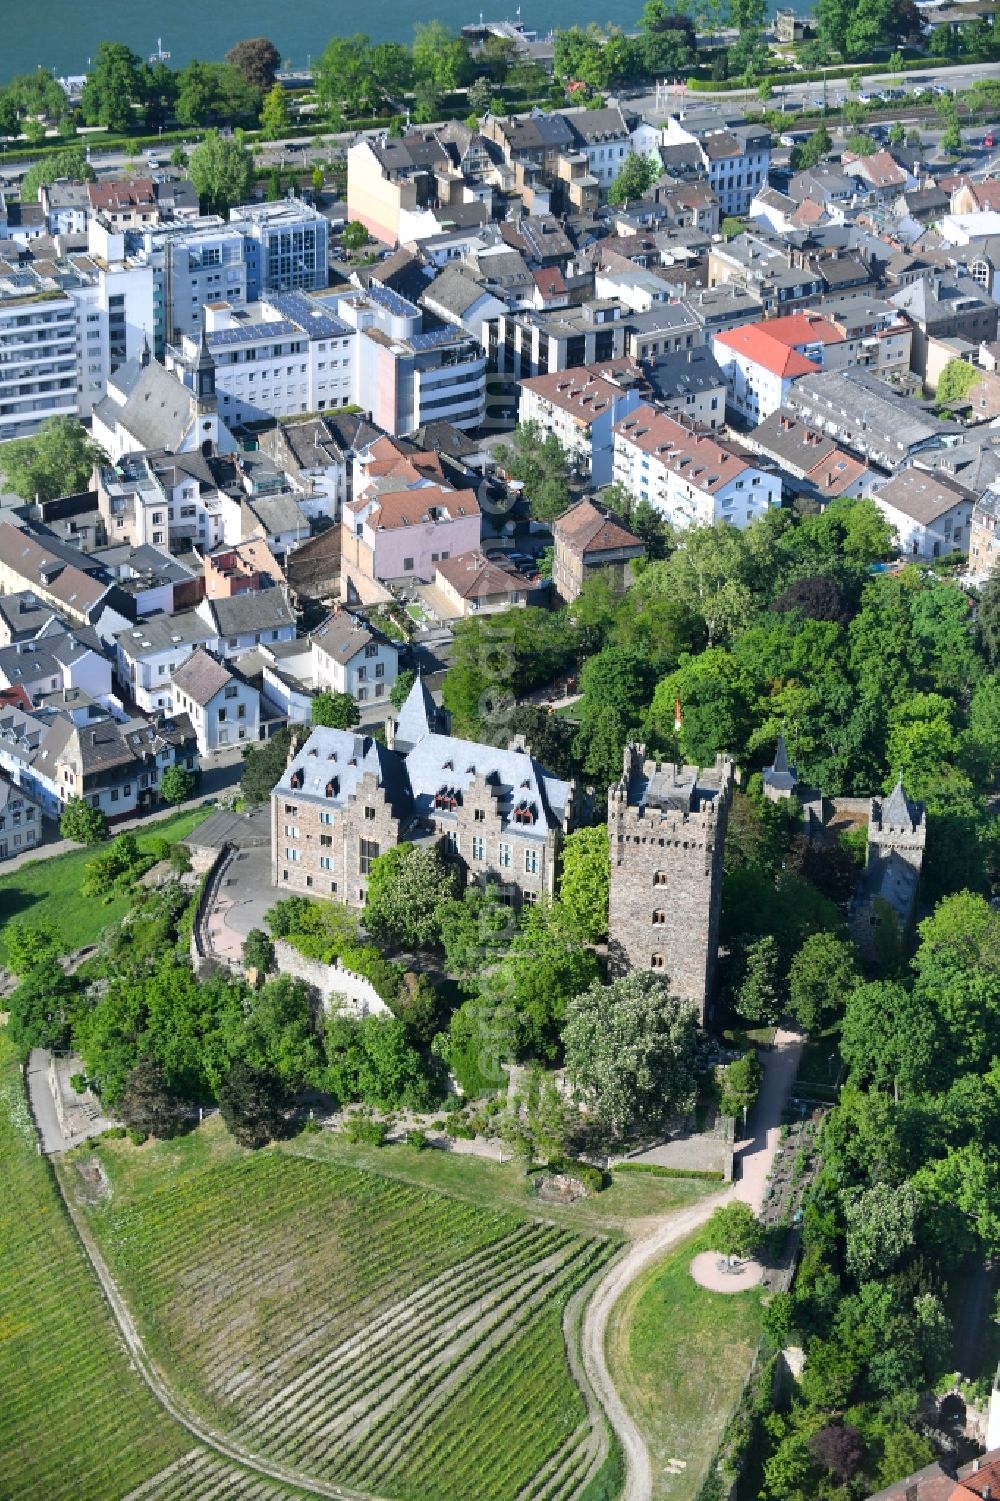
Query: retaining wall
x,y
353,993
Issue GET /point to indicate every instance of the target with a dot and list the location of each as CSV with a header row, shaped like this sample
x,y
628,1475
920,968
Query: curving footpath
x,y
755,1157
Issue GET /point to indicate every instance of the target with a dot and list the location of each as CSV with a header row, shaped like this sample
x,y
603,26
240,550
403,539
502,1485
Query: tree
x,y
400,690
343,77
391,68
539,1119
354,235
859,143
987,617
177,784
544,968
258,951
58,460
334,711
263,765
713,693
889,1040
635,178
585,882
222,171
373,1060
735,1231
258,59
113,92
881,1228
631,1052
759,993
956,381
741,1085
480,97
274,114
475,930
839,1449
252,1103
811,151
666,40
820,978
70,162
40,1009
215,94
897,133
83,823
548,736
538,461
28,944
147,1103
439,57
406,887
869,27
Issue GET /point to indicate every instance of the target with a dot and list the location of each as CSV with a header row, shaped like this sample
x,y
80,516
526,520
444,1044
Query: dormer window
x,y
332,787
524,813
447,798
296,779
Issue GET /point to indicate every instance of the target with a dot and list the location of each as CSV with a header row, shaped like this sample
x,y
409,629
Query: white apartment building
x,y
63,330
736,159
222,707
276,358
581,408
690,478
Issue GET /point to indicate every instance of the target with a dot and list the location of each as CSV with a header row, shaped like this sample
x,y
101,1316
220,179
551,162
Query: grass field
x,y
352,1325
49,890
679,1356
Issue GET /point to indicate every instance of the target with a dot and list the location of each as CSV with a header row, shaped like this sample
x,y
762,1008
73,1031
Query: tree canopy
x,y
58,460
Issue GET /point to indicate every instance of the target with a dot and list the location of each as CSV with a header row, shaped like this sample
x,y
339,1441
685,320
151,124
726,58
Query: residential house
x,y
984,535
810,462
590,540
735,159
867,416
880,177
473,584
930,513
349,655
246,566
223,708
689,477
761,361
20,819
526,344
690,384
63,578
946,306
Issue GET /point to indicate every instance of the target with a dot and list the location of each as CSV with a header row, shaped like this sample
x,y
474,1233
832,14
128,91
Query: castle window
x,y
331,789
292,809
326,817
524,813
529,898
326,841
296,779
325,862
531,862
451,843
659,917
660,878
369,815
657,962
478,847
505,856
480,815
368,853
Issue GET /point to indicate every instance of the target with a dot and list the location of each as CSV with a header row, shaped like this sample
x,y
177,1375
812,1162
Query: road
x,y
756,1156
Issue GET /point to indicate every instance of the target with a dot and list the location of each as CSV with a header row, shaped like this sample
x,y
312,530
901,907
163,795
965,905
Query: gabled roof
x,y
201,677
473,576
393,510
443,760
771,344
591,528
706,463
343,636
419,717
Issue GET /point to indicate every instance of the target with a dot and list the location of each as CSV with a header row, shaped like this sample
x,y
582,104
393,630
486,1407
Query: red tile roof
x,y
585,392
754,343
704,462
589,528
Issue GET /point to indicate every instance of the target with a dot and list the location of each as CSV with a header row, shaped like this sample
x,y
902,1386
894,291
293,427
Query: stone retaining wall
x,y
357,994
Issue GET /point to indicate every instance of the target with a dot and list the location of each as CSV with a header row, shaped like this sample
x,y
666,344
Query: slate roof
x,y
780,775
921,494
418,717
443,761
201,677
343,635
331,765
897,811
252,610
157,411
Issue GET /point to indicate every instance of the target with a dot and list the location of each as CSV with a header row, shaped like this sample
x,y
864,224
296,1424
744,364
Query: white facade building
x,y
690,478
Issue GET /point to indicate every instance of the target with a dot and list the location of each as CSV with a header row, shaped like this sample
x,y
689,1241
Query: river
x,y
67,32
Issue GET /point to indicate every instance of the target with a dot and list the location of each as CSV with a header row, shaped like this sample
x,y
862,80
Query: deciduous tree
x,y
406,888
252,1102
58,460
177,784
83,823
258,59
147,1103
735,1231
222,171
335,711
585,880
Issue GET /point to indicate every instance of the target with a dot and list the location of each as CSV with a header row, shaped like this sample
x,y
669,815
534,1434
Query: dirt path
x,y
755,1161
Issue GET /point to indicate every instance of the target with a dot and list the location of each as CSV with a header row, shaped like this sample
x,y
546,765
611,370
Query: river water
x,y
63,34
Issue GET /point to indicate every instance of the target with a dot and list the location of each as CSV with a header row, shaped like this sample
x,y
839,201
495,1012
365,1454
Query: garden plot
x,y
361,1330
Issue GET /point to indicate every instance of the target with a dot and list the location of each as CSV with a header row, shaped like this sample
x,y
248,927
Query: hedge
x,y
669,1172
832,74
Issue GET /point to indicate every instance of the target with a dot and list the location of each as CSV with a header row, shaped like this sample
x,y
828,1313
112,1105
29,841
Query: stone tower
x,y
897,826
897,836
667,831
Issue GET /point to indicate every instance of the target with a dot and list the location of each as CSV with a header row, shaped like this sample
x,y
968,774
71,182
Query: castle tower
x,y
897,826
667,831
780,780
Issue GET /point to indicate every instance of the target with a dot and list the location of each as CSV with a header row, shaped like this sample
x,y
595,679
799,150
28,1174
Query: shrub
x,y
137,1138
669,1172
78,1082
362,1130
460,1130
593,1178
417,1139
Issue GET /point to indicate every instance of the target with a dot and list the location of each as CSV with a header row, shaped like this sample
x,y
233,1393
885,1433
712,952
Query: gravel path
x,y
755,1156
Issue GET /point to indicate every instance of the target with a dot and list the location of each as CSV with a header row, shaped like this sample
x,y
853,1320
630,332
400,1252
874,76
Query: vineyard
x,y
75,1420
361,1330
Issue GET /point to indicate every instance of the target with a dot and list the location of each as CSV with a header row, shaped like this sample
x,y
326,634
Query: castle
x,y
667,831
897,837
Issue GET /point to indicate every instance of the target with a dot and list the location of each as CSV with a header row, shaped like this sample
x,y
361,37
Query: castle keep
x,y
667,830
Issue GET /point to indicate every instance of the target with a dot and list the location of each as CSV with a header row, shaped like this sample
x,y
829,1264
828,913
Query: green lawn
x,y
49,890
76,1421
357,1327
679,1356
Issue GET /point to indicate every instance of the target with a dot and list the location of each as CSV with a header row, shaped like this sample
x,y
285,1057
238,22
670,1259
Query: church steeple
x,y
203,370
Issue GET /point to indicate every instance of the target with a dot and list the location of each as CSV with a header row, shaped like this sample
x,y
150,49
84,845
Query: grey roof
x,y
23,613
418,717
157,411
342,635
332,763
780,775
201,677
922,495
440,761
159,632
253,610
897,811
279,513
684,372
455,290
874,417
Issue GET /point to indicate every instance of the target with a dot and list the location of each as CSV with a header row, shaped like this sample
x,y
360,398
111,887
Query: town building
x,y
667,832
221,705
580,407
735,159
691,478
689,383
525,344
348,655
590,541
984,536
344,799
762,360
929,512
809,461
473,584
20,819
862,413
887,895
